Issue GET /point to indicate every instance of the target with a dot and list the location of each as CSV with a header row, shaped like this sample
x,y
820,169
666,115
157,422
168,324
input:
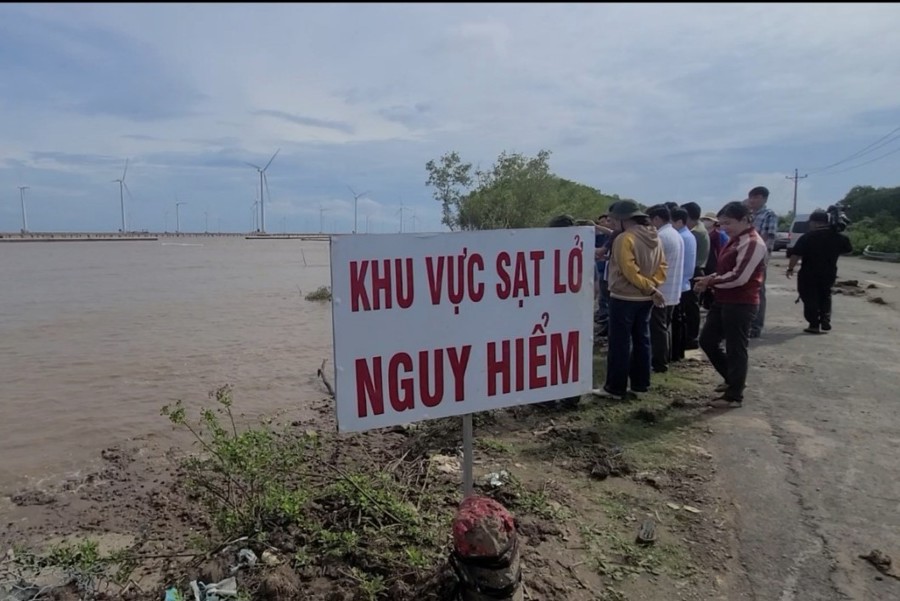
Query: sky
x,y
652,102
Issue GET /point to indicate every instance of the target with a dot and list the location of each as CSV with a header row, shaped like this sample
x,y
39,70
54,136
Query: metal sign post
x,y
468,460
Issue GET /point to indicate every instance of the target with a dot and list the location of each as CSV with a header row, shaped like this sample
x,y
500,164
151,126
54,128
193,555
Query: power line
x,y
878,158
879,143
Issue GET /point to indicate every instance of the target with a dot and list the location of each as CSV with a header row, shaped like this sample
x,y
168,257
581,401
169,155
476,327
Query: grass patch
x,y
79,567
322,293
494,445
641,434
616,556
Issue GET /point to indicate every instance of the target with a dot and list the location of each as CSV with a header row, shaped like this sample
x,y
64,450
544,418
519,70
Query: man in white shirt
x,y
661,317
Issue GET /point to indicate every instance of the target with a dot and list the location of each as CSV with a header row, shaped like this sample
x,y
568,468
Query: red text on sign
x,y
379,283
568,272
455,276
410,376
519,283
523,363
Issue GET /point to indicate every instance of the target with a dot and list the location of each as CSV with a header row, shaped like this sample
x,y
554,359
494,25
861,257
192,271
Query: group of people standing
x,y
654,271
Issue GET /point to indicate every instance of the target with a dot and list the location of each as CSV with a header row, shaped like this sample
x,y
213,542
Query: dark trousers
x,y
731,324
629,346
677,334
661,337
690,308
816,296
603,303
760,320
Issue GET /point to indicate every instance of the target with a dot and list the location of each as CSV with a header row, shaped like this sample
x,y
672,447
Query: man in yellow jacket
x,y
637,267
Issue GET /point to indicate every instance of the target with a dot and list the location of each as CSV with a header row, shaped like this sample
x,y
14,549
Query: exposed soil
x,y
580,482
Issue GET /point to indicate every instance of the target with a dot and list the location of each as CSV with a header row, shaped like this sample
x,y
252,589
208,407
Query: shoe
x,y
722,387
725,403
826,327
692,346
603,393
639,390
813,330
754,333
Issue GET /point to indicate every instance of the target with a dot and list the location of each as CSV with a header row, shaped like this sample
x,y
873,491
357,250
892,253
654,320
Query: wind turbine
x,y
400,211
415,221
24,214
123,186
322,211
262,177
177,216
356,198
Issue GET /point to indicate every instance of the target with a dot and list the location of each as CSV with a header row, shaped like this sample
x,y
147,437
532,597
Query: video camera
x,y
837,219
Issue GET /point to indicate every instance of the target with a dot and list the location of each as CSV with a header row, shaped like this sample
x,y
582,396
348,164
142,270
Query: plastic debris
x,y
496,479
270,559
246,558
173,594
217,591
221,590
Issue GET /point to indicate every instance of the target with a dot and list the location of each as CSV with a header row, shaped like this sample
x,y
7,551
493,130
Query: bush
x,y
378,525
867,233
323,293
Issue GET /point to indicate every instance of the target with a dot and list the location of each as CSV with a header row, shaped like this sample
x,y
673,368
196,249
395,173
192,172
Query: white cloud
x,y
654,102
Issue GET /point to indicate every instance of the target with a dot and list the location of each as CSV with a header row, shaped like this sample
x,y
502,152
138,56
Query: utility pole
x,y
24,214
206,221
321,219
796,177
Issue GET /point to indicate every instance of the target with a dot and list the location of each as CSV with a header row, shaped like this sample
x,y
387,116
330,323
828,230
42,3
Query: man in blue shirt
x,y
680,317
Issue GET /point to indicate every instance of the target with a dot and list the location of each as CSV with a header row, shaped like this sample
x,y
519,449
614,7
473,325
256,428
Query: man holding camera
x,y
819,248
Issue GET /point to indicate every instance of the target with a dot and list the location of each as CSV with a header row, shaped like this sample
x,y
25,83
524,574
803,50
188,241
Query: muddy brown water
x,y
96,337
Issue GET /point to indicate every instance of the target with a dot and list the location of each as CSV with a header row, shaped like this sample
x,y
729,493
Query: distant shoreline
x,y
148,236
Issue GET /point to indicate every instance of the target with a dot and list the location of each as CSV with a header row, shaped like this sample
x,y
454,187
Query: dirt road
x,y
811,460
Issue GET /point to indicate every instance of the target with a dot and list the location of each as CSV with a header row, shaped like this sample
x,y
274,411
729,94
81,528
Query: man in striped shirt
x,y
736,285
765,222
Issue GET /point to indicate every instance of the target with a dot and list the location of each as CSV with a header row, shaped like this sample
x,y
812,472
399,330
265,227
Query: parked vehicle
x,y
781,240
799,227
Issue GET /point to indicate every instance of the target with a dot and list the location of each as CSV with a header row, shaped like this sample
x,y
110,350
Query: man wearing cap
x,y
636,269
819,249
717,241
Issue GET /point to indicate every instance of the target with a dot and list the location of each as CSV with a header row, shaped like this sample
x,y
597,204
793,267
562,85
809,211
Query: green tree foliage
x,y
875,213
516,192
866,201
450,177
785,221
